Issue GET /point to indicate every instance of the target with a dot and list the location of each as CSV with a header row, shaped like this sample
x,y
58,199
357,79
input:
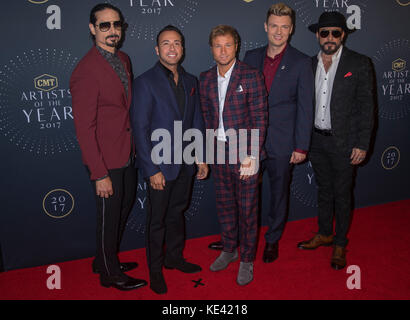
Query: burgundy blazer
x,y
101,113
245,102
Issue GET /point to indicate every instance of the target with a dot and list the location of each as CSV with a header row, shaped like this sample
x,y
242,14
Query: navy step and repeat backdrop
x,y
47,208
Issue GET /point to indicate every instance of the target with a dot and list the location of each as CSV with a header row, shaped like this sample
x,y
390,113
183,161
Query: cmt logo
x,y
398,64
38,1
45,82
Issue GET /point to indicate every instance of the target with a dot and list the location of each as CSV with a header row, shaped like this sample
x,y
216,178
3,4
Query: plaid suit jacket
x,y
245,103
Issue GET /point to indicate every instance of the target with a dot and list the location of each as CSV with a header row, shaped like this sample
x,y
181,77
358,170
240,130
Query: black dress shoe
x,y
124,267
157,283
216,245
122,282
182,266
270,253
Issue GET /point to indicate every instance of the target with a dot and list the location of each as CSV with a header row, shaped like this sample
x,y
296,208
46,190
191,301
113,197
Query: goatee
x,y
330,50
113,43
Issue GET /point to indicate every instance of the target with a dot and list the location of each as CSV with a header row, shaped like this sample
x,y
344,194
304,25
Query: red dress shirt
x,y
270,67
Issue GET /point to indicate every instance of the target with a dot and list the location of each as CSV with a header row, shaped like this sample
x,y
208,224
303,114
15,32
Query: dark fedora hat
x,y
330,19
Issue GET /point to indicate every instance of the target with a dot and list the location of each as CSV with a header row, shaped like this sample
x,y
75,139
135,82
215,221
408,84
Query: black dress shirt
x,y
178,88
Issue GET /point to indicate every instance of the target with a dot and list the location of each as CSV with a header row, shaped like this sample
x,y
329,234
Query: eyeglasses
x,y
335,33
105,26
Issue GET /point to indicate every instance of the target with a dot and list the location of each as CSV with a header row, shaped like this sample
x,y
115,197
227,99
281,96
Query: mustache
x,y
329,42
113,36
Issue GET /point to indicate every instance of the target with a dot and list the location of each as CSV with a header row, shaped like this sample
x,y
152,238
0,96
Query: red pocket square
x,y
349,74
192,91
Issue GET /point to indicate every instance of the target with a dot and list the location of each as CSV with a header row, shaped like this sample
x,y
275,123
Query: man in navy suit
x,y
290,84
166,99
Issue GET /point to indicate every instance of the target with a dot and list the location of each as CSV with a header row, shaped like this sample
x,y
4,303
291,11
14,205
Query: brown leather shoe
x,y
338,261
317,241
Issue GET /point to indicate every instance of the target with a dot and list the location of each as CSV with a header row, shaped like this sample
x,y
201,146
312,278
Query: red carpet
x,y
379,245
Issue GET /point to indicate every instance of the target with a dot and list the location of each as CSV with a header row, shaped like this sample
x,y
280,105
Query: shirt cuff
x,y
102,178
301,151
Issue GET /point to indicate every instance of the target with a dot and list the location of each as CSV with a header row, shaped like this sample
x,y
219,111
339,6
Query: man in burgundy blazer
x,y
101,95
233,97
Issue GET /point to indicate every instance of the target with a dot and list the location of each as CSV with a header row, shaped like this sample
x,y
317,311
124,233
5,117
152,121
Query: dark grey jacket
x,y
352,102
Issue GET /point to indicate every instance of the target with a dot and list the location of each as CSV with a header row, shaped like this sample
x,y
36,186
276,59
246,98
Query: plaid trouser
x,y
237,209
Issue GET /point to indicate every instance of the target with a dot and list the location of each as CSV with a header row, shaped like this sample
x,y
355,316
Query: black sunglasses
x,y
335,33
105,26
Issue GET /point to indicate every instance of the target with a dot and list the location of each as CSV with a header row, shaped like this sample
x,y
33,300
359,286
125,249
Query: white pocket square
x,y
239,89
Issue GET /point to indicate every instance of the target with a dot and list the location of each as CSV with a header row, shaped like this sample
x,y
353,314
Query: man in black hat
x,y
343,124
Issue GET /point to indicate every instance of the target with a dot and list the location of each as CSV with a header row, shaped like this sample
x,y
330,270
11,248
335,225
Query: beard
x,y
330,50
114,42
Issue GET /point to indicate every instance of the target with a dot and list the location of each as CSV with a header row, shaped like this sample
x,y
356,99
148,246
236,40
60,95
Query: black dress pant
x,y
166,221
112,215
334,178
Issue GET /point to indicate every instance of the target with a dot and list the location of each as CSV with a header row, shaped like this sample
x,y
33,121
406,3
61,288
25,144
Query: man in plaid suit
x,y
233,97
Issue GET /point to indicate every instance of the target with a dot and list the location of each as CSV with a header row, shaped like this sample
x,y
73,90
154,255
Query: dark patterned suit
x,y
351,111
245,108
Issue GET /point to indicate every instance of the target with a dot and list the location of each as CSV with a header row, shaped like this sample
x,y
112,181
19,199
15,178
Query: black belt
x,y
323,132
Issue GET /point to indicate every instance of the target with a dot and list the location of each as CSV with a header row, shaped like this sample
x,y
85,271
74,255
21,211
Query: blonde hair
x,y
222,30
281,9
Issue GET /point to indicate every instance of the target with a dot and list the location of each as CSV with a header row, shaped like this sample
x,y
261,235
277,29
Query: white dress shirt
x,y
223,82
324,85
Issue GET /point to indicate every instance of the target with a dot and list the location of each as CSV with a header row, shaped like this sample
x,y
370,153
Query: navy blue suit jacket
x,y
290,101
154,106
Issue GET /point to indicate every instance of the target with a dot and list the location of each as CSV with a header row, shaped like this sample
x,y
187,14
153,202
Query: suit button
x,y
128,129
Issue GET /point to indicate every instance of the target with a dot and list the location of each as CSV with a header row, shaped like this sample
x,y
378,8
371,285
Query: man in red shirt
x,y
290,85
